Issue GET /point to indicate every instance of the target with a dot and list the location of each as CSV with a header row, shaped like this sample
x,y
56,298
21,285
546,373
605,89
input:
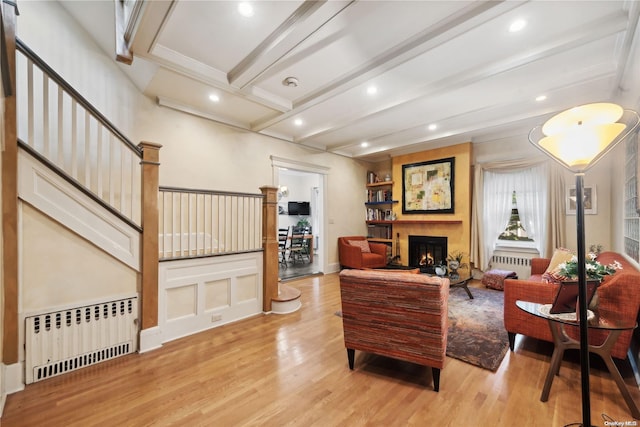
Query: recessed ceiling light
x,y
364,144
245,9
214,98
433,127
298,122
517,25
541,98
372,90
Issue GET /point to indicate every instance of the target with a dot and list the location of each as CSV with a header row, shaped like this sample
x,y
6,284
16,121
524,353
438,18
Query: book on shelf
x,y
378,214
378,196
379,232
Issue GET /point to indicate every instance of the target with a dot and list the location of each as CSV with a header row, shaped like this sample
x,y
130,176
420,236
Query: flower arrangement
x,y
595,249
595,270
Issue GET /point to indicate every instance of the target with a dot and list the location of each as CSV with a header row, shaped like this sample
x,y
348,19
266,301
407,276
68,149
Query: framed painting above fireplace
x,y
427,187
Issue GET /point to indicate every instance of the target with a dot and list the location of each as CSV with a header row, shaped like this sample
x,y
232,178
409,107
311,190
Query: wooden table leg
x,y
465,285
604,351
563,342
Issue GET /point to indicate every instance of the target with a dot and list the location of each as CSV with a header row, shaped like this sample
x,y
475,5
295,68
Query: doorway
x,y
301,206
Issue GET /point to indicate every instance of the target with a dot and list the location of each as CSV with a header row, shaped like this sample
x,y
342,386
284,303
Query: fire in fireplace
x,y
426,252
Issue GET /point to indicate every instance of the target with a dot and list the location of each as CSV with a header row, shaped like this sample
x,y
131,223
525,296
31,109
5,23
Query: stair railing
x,y
198,223
64,129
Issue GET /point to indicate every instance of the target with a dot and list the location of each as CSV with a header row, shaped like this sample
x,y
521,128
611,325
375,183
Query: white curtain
x,y
541,216
497,209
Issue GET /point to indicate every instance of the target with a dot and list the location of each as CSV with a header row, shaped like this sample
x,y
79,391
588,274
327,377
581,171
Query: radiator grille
x,y
510,260
520,264
71,339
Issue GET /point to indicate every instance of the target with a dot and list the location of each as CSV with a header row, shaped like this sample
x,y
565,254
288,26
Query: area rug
x,y
476,328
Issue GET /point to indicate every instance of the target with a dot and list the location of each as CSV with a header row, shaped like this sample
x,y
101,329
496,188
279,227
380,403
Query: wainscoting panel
x,y
203,293
52,195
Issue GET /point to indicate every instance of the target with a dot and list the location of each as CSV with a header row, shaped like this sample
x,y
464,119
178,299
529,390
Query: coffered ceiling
x,y
369,79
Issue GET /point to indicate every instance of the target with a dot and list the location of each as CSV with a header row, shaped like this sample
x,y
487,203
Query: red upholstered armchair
x,y
618,293
353,256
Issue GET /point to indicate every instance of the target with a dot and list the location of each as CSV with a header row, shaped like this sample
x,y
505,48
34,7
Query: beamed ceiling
x,y
378,78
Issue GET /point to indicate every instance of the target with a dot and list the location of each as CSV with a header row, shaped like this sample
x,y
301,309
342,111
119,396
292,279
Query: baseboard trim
x,y
13,378
150,339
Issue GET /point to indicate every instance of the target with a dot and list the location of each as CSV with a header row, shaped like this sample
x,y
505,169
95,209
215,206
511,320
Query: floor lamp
x,y
577,138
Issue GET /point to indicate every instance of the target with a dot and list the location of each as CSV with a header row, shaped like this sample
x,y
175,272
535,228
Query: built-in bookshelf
x,y
379,212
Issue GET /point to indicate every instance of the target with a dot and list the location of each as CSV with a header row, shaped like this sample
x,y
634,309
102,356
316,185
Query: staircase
x,y
109,233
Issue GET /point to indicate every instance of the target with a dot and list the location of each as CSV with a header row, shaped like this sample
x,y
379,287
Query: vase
x,y
441,270
454,266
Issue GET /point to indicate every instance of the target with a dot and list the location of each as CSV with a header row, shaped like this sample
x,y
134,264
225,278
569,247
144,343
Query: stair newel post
x,y
9,190
269,245
150,182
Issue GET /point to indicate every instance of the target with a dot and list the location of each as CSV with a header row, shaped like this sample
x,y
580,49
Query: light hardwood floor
x,y
291,370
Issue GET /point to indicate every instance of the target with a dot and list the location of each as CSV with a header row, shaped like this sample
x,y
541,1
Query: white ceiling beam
x,y
587,34
454,25
302,23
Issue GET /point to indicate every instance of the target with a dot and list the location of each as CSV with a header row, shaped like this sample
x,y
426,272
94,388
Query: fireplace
x,y
426,252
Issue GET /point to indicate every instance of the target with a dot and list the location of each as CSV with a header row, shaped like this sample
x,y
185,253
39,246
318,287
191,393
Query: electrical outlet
x,y
216,317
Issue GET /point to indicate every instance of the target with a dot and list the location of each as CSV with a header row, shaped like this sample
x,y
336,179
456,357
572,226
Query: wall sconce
x,y
283,191
577,138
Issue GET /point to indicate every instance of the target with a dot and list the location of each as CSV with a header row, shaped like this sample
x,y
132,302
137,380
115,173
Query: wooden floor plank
x,y
291,370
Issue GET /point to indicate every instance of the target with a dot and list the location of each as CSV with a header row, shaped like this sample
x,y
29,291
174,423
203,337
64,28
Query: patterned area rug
x,y
476,328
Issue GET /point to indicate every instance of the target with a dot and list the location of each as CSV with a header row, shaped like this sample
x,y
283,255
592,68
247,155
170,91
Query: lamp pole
x,y
577,138
582,302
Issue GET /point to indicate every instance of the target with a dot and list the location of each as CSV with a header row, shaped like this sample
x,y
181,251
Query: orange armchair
x,y
618,293
352,256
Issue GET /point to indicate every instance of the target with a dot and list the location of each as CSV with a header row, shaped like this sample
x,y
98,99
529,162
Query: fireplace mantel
x,y
418,221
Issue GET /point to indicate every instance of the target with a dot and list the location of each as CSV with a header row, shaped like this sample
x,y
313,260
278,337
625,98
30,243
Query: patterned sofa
x,y
619,292
396,314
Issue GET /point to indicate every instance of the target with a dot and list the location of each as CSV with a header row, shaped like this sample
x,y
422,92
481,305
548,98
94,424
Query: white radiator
x,y
68,340
520,263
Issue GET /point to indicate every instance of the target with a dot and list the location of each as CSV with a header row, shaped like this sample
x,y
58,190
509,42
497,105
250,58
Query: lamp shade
x,y
577,138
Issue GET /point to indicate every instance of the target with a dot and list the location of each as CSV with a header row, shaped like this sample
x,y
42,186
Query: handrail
x,y
76,184
4,62
59,124
200,191
24,49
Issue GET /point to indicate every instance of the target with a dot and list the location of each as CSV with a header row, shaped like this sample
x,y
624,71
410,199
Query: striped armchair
x,y
396,314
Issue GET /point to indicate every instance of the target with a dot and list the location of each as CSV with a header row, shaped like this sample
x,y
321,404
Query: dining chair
x,y
297,250
283,245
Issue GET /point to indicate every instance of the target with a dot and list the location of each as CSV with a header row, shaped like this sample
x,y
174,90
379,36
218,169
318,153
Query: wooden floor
x,y
291,370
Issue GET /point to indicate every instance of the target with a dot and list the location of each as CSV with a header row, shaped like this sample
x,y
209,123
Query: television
x,y
299,208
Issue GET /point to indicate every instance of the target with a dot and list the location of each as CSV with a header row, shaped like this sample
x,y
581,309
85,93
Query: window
x,y
530,184
514,230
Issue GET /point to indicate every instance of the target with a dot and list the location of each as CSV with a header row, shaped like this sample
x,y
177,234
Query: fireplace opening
x,y
427,252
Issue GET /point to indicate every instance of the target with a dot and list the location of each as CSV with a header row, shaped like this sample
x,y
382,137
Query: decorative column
x,y
269,246
150,182
9,191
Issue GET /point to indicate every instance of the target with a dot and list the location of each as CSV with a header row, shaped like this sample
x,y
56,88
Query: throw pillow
x,y
552,273
362,244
